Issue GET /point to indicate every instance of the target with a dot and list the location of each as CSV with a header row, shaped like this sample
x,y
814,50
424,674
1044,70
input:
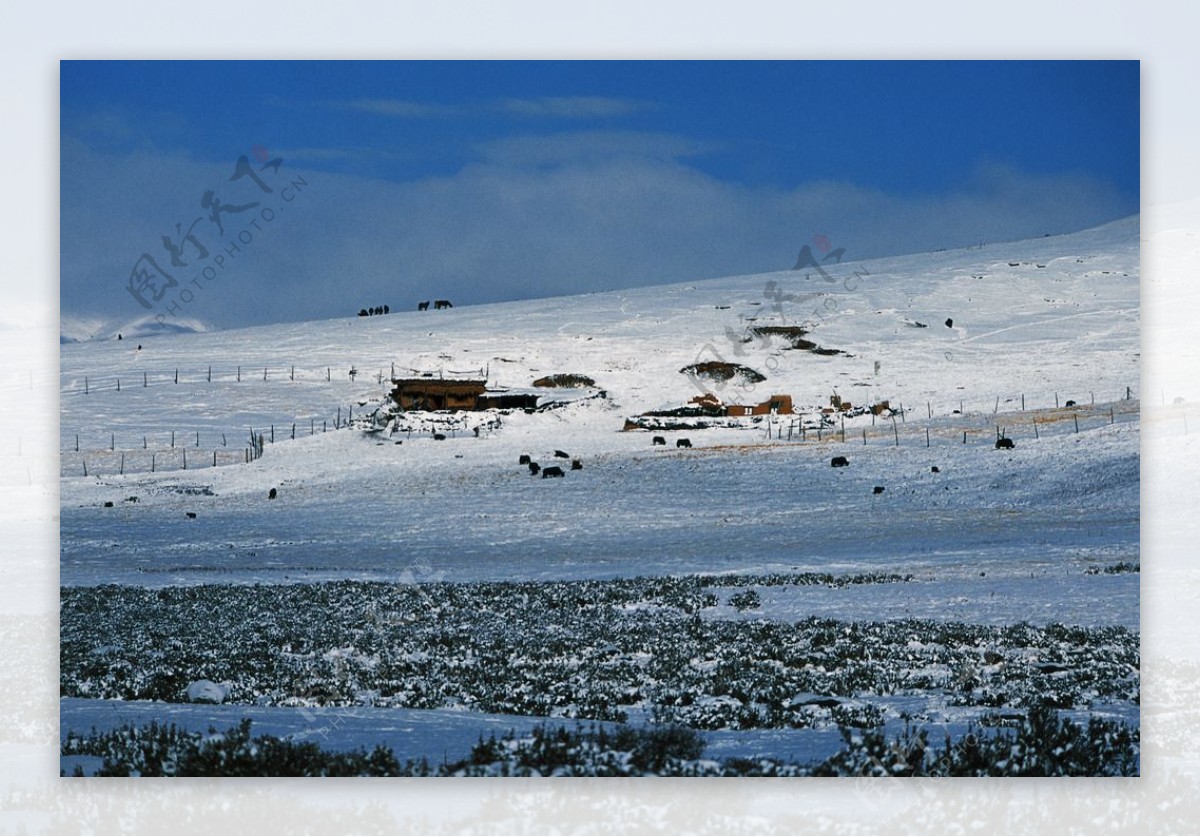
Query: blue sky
x,y
482,181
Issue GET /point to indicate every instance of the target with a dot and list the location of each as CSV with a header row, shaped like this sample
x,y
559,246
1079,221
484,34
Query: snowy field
x,y
1044,533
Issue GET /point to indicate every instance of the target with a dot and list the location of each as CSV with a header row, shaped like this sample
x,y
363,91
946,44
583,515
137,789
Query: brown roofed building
x,y
437,394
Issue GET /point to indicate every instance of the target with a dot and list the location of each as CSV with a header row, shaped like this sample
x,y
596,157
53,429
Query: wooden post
x,y
143,380
264,373
197,438
144,445
327,373
1076,422
272,434
964,437
1035,430
338,421
1056,400
895,432
85,385
997,431
926,437
1093,394
325,427
864,436
122,463
185,459
214,459
172,438
843,429
293,372
818,432
312,426
1110,415
152,457
118,384
112,441
996,409
293,430
960,406
1022,402
84,461
177,375
239,373
929,409
77,443
210,374
223,444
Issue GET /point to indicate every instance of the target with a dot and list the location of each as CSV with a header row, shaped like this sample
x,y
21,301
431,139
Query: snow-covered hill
x,y
1035,340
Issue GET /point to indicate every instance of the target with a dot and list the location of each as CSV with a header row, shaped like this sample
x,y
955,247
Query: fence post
x,y
112,441
272,433
1022,402
926,437
864,436
964,437
293,430
85,385
214,459
197,438
143,380
223,441
185,459
293,372
152,457
843,429
77,443
1056,400
1035,430
896,432
239,373
144,445
172,438
122,463
118,384
1076,416
176,375
210,374
1110,415
84,461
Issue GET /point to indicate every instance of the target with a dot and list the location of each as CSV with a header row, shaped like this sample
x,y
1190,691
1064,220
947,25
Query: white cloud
x,y
612,211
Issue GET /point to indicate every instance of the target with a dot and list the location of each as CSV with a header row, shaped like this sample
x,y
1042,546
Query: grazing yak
x,y
839,462
534,468
272,494
935,470
552,471
439,437
576,465
879,489
423,306
683,443
1070,404
562,454
441,303
524,460
658,440
1005,444
949,323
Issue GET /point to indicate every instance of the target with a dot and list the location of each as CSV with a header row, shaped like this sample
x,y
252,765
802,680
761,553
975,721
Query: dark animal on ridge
x,y
423,306
439,437
839,462
879,489
658,440
534,468
272,494
524,460
683,443
1005,444
576,465
552,471
562,454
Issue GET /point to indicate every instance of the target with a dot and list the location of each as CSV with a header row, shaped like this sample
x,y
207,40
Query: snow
x,y
996,537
